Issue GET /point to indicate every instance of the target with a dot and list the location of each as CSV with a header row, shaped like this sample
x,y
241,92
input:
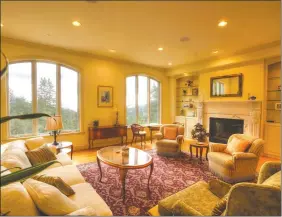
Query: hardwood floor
x,y
87,156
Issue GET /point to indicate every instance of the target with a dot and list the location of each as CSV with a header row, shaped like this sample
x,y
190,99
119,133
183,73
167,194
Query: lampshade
x,y
54,123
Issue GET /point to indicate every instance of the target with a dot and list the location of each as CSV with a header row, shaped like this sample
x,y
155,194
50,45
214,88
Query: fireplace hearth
x,y
222,128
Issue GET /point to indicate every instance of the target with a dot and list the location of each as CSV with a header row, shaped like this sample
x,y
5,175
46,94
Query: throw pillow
x,y
220,206
56,182
15,201
40,155
170,133
274,180
49,199
237,145
34,143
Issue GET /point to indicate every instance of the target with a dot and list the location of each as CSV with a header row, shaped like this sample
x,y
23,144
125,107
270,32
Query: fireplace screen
x,y
222,128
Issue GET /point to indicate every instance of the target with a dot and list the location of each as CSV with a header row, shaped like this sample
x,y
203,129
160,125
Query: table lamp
x,y
54,124
116,111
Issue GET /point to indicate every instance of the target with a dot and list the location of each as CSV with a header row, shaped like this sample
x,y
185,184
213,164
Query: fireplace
x,y
222,128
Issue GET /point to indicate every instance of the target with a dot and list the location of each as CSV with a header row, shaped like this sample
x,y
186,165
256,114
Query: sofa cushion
x,y
69,174
49,199
40,155
167,143
15,157
86,196
64,159
221,159
197,196
34,143
86,211
16,200
57,182
237,145
170,133
274,180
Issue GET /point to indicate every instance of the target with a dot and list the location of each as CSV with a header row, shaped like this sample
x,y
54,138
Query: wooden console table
x,y
106,132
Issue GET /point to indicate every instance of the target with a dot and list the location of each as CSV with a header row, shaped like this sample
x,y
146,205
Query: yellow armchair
x,y
170,147
238,167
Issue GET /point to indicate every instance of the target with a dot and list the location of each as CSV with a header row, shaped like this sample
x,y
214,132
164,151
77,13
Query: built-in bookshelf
x,y
187,91
273,107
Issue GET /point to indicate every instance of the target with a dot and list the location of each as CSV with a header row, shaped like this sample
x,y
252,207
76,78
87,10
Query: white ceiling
x,y
136,29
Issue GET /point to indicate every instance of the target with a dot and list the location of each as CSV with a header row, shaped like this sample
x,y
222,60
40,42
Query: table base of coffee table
x,y
122,174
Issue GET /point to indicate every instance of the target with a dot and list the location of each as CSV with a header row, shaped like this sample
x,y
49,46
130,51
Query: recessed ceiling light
x,y
112,51
215,52
160,49
2,25
222,23
169,63
184,39
76,23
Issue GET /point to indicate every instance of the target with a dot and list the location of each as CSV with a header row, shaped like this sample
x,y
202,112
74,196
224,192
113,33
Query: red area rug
x,y
170,175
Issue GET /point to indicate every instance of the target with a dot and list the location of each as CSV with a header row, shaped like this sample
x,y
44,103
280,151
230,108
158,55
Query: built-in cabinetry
x,y
187,96
272,127
187,102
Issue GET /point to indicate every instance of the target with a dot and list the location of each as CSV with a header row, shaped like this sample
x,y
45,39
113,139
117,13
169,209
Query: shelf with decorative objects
x,y
273,93
187,95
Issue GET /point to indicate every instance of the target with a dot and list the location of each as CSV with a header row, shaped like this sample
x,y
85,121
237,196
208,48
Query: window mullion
x,y
136,99
34,96
58,91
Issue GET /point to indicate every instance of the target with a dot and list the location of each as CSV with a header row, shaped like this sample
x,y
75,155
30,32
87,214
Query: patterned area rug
x,y
170,175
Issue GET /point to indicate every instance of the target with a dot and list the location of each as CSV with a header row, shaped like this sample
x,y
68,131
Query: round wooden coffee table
x,y
201,146
133,159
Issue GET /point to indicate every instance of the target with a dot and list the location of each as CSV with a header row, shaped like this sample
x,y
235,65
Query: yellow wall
x,y
94,71
253,82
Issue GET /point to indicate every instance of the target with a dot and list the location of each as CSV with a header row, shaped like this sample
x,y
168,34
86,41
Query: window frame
x,y
148,98
34,96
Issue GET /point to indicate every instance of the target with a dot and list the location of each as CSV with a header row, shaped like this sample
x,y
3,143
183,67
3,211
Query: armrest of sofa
x,y
219,188
249,199
244,159
180,139
243,156
159,135
267,170
86,211
182,209
217,147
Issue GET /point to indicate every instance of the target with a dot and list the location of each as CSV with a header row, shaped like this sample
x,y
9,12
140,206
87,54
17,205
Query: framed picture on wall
x,y
105,96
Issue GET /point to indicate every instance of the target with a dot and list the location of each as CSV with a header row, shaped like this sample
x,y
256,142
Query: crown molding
x,y
252,55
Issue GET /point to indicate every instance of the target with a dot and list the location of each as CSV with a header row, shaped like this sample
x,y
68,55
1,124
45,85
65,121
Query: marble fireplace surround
x,y
249,111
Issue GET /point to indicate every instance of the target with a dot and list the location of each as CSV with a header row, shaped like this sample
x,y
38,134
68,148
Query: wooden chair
x,y
138,131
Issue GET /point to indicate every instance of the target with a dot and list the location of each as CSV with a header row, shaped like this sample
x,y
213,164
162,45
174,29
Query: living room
x,y
109,73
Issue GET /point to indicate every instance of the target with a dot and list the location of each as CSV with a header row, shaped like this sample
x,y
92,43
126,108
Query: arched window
x,y
45,87
142,100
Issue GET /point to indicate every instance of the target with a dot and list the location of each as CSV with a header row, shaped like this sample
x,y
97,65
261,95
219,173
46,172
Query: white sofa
x,y
16,199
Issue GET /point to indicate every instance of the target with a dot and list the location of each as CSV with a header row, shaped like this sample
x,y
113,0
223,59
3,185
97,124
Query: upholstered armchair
x,y
238,166
169,140
219,198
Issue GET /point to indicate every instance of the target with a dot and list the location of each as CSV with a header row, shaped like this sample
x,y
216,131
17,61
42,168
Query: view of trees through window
x,y
45,98
142,100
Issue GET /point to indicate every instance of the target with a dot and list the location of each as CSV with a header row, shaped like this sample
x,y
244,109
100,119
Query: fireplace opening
x,y
222,128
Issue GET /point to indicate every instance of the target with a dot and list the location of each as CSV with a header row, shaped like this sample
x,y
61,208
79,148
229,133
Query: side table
x,y
63,147
201,146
